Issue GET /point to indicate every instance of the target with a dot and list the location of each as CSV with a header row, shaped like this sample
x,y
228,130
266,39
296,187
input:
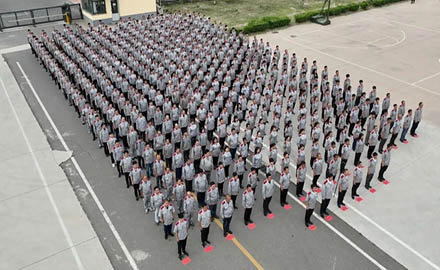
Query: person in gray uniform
x,y
343,184
417,119
156,201
179,195
357,179
204,221
188,207
310,202
267,191
212,198
405,127
248,201
147,190
386,158
135,179
181,231
371,170
234,188
284,185
328,188
167,214
226,211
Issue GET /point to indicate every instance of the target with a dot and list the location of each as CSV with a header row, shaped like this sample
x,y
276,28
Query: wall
x,y
130,7
100,16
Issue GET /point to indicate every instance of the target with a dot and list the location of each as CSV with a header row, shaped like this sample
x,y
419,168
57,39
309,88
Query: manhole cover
x,y
275,32
292,36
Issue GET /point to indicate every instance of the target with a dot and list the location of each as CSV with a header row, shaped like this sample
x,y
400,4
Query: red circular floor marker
x,y
302,198
385,182
359,199
251,226
287,206
312,227
328,218
186,261
405,142
229,237
372,190
344,208
209,248
270,216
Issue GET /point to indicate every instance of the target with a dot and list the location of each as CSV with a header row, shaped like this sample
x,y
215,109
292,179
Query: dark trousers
x,y
413,128
266,203
324,205
343,163
234,199
204,234
357,157
226,223
106,152
370,151
393,138
240,177
188,185
159,181
403,134
309,213
354,189
137,193
233,152
127,179
220,188
283,196
247,214
181,247
118,166
167,229
341,195
141,161
299,188
368,180
179,173
197,165
213,210
381,172
227,171
381,144
200,198
315,180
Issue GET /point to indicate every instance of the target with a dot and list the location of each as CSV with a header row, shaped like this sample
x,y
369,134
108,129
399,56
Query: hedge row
x,y
334,11
265,23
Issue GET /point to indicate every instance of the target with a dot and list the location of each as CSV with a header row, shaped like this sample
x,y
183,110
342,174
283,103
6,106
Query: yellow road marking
x,y
237,243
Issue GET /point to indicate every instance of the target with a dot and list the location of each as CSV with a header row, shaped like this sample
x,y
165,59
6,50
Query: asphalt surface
x,y
280,243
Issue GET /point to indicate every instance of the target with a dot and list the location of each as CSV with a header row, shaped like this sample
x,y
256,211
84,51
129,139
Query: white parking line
x,y
426,78
83,177
44,181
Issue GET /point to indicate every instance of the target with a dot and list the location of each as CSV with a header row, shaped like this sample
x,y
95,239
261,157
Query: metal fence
x,y
39,15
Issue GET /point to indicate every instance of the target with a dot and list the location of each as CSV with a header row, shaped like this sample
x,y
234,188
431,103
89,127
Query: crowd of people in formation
x,y
180,104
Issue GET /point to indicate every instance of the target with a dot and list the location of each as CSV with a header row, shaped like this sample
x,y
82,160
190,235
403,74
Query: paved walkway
x,y
43,225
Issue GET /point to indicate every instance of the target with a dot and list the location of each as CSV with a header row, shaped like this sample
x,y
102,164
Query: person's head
x,y
409,112
420,105
180,215
375,155
389,146
156,190
248,188
359,163
145,178
269,177
346,172
314,188
204,206
212,184
166,202
228,198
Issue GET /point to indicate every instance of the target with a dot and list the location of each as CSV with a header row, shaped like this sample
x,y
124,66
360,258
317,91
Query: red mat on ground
x,y
385,182
270,216
359,199
328,218
229,237
287,206
344,208
209,249
416,136
312,227
395,147
251,226
186,261
302,198
372,190
405,142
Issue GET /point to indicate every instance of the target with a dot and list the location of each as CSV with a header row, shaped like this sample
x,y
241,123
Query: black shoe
x,y
326,213
250,220
208,242
172,234
246,222
265,214
311,223
186,253
282,204
180,257
230,232
322,215
270,212
343,204
339,206
367,188
137,198
224,234
352,197
357,195
307,224
166,237
203,244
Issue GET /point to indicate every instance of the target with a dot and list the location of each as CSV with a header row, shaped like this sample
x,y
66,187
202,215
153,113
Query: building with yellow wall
x,y
112,10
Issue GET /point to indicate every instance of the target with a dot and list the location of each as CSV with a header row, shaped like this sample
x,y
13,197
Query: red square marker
x,y
344,208
395,147
302,198
372,190
270,216
229,237
312,227
251,226
385,182
416,136
209,248
359,199
328,218
186,261
319,190
287,206
405,141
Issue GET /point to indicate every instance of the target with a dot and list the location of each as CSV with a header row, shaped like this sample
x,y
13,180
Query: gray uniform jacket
x,y
204,217
157,200
200,183
212,196
146,188
226,209
188,204
267,189
386,157
248,199
285,180
344,182
181,229
233,186
327,189
357,175
220,173
179,191
311,199
166,213
188,172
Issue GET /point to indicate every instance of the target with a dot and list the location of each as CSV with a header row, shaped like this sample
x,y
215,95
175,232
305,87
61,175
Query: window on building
x,y
94,6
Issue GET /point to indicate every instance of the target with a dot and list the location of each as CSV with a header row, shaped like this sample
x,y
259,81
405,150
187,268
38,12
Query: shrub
x,y
265,23
303,17
364,5
353,7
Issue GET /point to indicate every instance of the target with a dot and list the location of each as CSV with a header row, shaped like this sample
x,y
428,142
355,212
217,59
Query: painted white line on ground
x,y
426,78
357,65
44,181
83,177
15,49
